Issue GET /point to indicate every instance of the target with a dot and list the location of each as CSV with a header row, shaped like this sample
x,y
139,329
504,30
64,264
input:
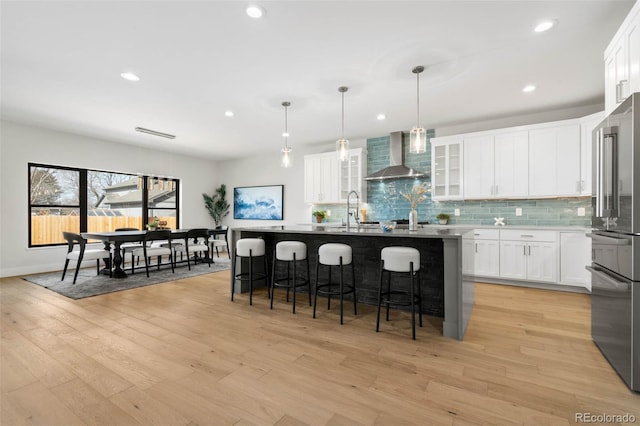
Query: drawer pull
x,y
527,235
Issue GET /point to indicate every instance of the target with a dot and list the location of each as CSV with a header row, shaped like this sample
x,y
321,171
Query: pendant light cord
x,y
418,98
342,115
286,130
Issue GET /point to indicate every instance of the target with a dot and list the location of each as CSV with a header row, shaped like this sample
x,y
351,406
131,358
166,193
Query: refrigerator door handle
x,y
613,283
599,184
610,240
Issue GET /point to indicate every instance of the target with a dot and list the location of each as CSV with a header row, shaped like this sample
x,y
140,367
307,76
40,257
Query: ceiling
x,y
61,66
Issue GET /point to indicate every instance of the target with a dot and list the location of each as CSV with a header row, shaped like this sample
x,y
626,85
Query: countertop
x,y
370,230
466,227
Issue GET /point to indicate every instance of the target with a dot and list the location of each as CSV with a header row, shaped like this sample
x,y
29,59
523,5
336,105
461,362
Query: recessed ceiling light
x,y
381,117
255,12
529,88
229,113
544,26
130,76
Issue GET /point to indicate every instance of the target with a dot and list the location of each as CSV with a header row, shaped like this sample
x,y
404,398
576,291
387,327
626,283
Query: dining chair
x,y
215,242
128,246
82,254
195,242
148,250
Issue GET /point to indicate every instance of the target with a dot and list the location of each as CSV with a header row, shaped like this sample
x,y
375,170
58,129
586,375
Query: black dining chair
x,y
128,246
148,250
82,254
215,242
195,242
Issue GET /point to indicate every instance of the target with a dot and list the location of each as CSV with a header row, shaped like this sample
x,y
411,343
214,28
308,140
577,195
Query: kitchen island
x,y
446,293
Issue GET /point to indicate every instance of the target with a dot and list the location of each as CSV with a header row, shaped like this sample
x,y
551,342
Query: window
x,y
80,200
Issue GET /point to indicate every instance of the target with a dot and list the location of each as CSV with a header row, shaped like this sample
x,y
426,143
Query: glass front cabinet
x,y
446,168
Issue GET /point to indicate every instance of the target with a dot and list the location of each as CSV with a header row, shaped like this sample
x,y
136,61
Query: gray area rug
x,y
89,284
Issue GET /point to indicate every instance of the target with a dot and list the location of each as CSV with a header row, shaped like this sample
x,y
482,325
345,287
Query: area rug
x,y
89,284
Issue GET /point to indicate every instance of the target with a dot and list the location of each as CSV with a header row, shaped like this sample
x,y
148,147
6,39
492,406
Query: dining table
x,y
117,238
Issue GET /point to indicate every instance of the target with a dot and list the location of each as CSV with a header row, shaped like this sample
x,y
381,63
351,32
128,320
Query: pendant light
x,y
418,137
286,160
342,144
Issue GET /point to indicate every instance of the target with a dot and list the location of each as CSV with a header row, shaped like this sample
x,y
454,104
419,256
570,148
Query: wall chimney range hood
x,y
397,169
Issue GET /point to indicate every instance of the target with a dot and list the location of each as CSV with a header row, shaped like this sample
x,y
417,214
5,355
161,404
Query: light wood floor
x,y
181,353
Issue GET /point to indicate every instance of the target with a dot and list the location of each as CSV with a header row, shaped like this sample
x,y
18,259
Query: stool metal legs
x,y
340,292
249,276
291,280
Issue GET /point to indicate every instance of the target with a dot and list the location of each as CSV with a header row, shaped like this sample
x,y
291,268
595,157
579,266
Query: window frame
x,y
83,198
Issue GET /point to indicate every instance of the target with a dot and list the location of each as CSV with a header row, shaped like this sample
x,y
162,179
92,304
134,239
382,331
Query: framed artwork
x,y
258,202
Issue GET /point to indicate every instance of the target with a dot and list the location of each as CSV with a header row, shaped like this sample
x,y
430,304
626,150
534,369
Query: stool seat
x,y
250,247
399,259
330,254
285,250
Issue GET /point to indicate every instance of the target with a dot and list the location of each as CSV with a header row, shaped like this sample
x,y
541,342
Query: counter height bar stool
x,y
291,252
250,248
340,255
400,260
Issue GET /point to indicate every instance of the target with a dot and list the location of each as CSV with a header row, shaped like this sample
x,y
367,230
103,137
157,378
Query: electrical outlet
x,y
328,212
518,211
456,212
581,211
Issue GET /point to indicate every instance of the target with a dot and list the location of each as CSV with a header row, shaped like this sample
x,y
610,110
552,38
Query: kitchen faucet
x,y
355,215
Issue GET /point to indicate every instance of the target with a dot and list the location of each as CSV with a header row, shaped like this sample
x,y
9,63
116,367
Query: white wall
x,y
20,144
520,120
266,170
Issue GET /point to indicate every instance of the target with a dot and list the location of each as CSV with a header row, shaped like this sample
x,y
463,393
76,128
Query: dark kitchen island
x,y
445,293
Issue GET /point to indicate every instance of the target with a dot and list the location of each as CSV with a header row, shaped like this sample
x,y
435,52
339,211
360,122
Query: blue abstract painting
x,y
258,202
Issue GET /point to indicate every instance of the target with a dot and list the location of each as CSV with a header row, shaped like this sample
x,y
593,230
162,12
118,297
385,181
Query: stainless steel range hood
x,y
397,169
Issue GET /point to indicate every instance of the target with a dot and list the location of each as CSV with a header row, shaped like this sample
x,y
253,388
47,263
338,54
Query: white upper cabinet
x,y
554,161
327,180
496,166
321,183
622,61
446,168
479,167
512,164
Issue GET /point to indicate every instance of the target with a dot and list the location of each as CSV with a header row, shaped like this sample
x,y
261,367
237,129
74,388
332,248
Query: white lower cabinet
x,y
543,256
529,255
481,253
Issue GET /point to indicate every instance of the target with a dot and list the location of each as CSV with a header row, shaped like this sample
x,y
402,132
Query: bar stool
x,y
400,260
251,248
335,254
291,252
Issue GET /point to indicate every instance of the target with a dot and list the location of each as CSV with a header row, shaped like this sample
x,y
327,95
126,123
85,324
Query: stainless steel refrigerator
x,y
615,267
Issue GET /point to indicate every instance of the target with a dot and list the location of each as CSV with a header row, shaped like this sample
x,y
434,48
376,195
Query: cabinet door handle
x,y
529,250
497,189
524,250
476,247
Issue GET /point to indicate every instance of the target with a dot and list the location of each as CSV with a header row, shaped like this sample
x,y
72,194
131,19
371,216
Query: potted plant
x,y
443,218
320,215
216,204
